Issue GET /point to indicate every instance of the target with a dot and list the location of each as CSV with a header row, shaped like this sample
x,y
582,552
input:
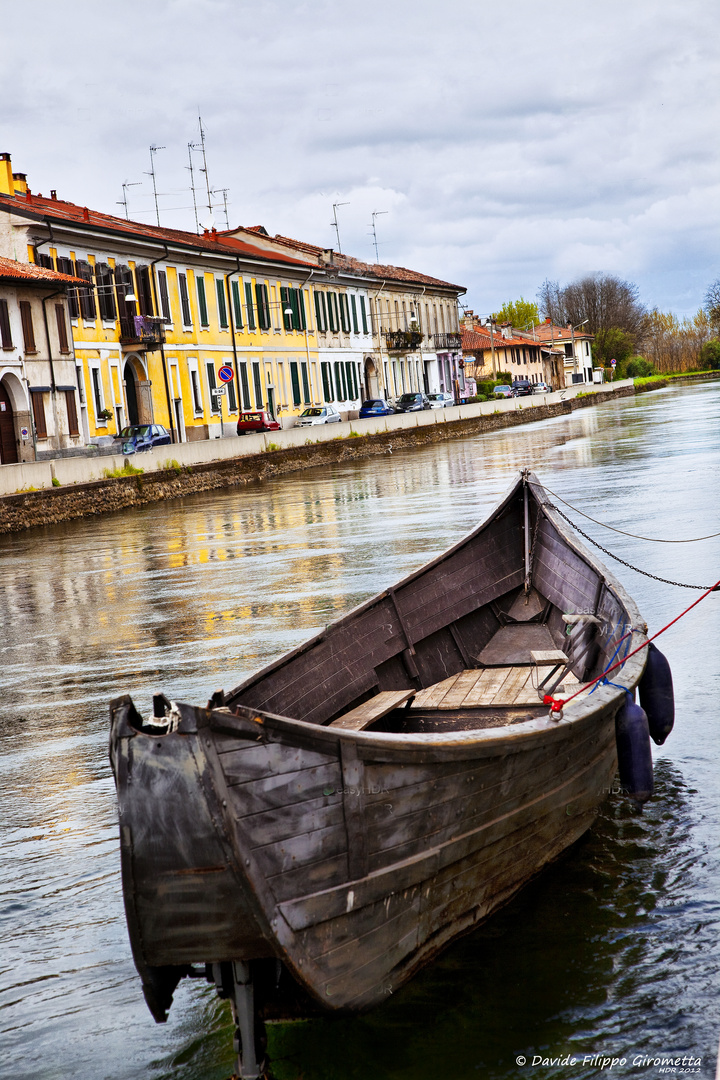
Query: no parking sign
x,y
226,373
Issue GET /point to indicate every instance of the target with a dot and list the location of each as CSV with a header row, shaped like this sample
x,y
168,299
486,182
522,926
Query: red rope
x,y
556,705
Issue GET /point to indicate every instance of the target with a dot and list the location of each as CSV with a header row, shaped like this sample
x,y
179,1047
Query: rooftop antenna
x,y
204,168
153,151
224,193
123,201
334,223
191,147
376,213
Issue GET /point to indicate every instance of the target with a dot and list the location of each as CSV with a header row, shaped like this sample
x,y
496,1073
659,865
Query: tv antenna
x,y
375,214
334,223
153,152
191,147
224,192
123,201
205,168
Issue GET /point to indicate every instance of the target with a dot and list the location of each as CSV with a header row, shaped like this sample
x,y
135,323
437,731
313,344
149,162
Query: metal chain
x,y
665,581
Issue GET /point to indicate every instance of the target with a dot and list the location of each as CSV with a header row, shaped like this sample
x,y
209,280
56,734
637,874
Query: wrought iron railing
x,y
447,341
403,340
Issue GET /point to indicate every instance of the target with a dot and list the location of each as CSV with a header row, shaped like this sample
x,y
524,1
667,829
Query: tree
x,y
711,306
520,313
612,344
607,302
550,302
710,356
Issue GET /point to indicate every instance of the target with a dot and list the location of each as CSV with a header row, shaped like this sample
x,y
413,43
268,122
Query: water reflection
x,y
612,949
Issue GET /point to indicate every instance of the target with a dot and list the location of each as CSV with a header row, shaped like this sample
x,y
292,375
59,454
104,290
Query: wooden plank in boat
x,y
548,657
460,689
366,714
513,644
433,695
515,682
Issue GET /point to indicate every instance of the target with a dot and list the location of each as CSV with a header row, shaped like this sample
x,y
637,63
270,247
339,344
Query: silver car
x,y
441,400
319,414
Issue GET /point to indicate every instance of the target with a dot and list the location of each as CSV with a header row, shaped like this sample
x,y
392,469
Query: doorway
x,y
8,442
131,393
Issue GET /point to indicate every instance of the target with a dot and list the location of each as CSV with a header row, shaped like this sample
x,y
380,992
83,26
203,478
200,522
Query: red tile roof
x,y
552,332
12,271
58,211
472,341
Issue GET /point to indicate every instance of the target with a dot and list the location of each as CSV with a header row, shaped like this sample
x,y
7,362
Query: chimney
x,y
53,194
327,257
6,177
20,183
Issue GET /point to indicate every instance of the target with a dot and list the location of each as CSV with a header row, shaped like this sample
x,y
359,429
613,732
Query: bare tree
x,y
711,306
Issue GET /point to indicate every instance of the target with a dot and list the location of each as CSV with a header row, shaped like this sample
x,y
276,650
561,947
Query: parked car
x,y
139,437
441,400
256,421
543,388
319,414
521,387
503,391
411,403
375,407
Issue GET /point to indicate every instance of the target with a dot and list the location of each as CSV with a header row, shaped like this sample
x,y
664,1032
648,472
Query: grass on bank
x,y
127,470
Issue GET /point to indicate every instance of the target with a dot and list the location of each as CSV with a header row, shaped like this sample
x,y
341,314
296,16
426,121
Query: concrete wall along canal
x,y
44,492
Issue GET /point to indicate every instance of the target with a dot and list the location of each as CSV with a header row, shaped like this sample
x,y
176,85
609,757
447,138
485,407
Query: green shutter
x,y
244,385
320,321
250,306
344,313
353,305
258,387
222,306
263,308
338,381
232,400
327,383
306,383
285,303
302,322
352,392
184,300
237,306
363,315
332,311
202,302
295,382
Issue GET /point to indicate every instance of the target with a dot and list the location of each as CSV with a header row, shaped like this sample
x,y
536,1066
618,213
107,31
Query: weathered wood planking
x,y
380,705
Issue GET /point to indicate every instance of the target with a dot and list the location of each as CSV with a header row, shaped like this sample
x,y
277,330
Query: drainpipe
x,y
29,396
232,331
53,391
162,347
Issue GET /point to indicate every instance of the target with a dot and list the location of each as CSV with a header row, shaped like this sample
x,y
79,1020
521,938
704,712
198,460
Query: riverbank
x,y
65,495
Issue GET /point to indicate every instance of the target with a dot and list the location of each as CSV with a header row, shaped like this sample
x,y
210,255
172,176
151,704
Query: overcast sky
x,y
508,140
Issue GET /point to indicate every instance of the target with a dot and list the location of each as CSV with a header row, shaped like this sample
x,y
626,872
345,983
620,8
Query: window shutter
x,y
320,311
285,303
349,371
70,406
222,306
353,306
363,315
244,385
232,400
250,306
295,382
5,332
164,298
306,383
258,387
263,308
332,311
338,382
237,306
202,301
44,260
327,383
86,293
344,313
106,292
65,266
184,300
62,328
299,309
215,406
38,406
27,326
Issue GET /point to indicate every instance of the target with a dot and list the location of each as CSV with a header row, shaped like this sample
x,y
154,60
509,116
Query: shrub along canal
x,y
612,952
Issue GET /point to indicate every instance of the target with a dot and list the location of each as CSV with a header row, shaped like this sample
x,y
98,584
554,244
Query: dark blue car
x,y
140,437
375,407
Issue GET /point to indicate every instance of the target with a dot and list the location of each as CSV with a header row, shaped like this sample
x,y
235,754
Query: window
x,y
65,266
5,332
292,300
232,400
106,292
363,315
295,380
258,386
184,300
202,301
327,382
333,311
38,406
85,293
72,417
306,383
197,396
164,298
44,260
27,326
351,383
353,307
215,406
320,311
344,313
340,387
222,306
97,391
144,290
244,386
250,306
62,328
263,307
237,305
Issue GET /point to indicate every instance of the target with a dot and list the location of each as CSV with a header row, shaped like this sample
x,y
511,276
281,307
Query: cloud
x,y
509,142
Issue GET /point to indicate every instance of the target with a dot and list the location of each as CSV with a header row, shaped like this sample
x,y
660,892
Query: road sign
x,y
24,433
226,373
219,391
613,363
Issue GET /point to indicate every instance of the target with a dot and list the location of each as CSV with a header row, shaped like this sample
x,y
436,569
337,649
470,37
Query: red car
x,y
256,421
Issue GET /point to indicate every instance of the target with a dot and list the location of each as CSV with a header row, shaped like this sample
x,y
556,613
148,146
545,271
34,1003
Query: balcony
x,y
447,342
403,340
147,330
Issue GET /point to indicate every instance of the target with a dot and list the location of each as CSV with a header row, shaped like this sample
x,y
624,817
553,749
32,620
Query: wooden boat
x,y
315,836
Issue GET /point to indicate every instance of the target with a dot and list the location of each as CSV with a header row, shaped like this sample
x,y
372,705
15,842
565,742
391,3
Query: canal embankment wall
x,y
46,492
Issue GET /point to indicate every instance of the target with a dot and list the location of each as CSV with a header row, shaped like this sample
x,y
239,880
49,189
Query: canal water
x,y
612,953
